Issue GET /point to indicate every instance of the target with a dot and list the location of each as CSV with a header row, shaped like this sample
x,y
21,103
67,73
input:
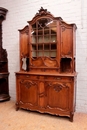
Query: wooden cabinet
x,y
46,81
4,88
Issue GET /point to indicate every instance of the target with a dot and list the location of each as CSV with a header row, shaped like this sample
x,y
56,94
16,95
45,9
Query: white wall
x,y
72,11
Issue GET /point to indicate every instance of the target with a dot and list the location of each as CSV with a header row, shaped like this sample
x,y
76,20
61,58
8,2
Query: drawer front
x,y
27,76
45,78
58,78
32,77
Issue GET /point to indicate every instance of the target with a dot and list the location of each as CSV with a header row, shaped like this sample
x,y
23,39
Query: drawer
x,y
45,77
58,78
33,77
27,76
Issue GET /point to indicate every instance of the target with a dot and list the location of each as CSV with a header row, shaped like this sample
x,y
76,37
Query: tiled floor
x,y
10,119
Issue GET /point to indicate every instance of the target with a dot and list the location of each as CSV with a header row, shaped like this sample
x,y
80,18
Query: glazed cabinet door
x,y
59,96
27,93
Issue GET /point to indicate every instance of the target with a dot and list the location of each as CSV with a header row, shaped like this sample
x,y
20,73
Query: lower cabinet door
x,y
28,92
58,95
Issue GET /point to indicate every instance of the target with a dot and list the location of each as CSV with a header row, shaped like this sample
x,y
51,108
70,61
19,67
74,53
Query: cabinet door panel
x,y
66,41
28,92
58,95
24,46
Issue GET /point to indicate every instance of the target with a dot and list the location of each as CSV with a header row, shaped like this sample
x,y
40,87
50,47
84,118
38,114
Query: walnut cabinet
x,y
46,81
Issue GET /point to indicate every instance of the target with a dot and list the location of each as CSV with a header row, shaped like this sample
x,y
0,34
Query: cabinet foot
x,y
71,116
17,107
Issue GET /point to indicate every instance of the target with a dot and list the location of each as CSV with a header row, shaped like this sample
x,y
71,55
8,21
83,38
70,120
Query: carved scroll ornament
x,y
57,86
28,84
42,11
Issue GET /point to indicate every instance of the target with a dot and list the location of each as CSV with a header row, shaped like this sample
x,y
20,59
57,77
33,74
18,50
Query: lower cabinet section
x,y
46,94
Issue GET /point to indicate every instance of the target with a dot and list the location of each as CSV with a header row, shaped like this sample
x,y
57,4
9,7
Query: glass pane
x,y
46,31
46,38
53,47
51,23
33,32
46,53
40,39
53,54
40,46
34,39
40,32
53,38
43,22
34,53
53,30
46,47
34,47
40,53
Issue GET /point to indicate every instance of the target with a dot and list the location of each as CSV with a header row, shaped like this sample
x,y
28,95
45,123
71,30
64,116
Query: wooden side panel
x,y
66,41
24,45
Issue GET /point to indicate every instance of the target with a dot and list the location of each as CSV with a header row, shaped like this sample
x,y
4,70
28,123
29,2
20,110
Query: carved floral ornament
x,y
58,86
42,12
28,84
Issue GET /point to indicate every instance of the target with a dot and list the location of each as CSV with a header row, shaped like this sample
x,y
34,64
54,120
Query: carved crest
x,y
42,11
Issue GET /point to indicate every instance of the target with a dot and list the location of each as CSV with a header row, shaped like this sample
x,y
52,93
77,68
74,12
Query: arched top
x,y
42,13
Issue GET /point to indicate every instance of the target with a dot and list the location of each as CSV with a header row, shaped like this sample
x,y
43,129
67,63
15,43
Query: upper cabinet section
x,y
44,38
47,44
